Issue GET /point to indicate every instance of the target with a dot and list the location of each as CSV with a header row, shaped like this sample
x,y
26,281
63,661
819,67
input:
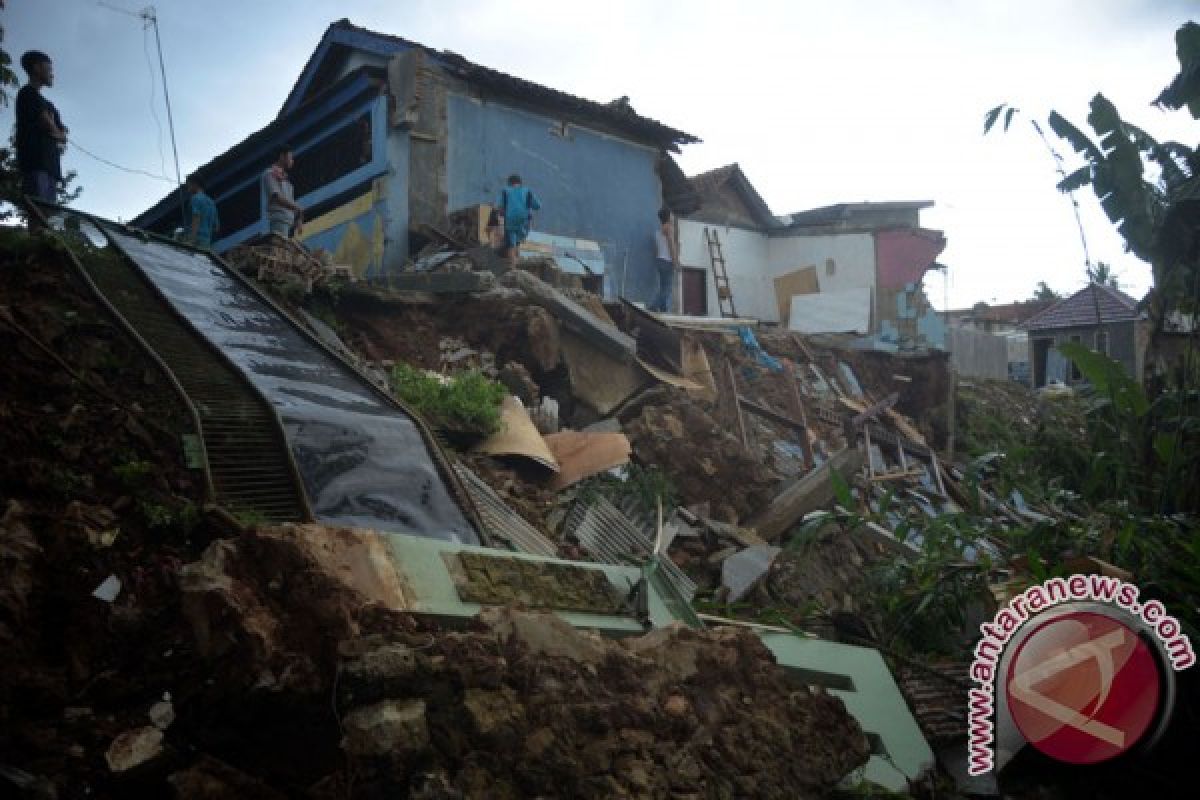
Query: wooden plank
x,y
937,473
875,410
870,461
731,388
895,476
801,281
812,492
767,413
798,412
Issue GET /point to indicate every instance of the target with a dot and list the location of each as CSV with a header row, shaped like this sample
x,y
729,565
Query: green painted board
x,y
433,590
862,679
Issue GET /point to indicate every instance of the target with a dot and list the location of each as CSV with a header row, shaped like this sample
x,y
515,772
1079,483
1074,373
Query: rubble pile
x,y
520,705
675,433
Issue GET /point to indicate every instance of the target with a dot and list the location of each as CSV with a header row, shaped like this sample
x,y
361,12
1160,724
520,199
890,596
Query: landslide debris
x,y
520,704
705,461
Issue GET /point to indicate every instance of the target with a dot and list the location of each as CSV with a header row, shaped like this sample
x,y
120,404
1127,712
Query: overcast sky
x,y
820,102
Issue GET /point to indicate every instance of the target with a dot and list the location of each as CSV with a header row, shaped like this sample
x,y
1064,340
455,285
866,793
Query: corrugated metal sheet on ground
x,y
610,536
832,312
501,521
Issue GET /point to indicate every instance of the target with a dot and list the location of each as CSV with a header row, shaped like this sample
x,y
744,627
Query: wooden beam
x,y
798,413
875,410
767,413
731,388
812,492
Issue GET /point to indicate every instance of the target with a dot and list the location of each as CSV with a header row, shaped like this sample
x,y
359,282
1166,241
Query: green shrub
x,y
467,402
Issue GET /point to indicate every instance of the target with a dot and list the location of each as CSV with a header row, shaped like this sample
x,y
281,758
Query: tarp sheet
x,y
363,461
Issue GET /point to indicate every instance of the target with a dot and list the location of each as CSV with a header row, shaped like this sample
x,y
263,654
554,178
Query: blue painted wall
x,y
590,185
378,165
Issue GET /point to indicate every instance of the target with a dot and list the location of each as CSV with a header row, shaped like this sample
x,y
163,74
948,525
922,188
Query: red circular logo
x,y
1083,687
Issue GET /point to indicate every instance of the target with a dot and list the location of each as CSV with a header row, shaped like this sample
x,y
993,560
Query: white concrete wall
x,y
745,261
853,256
754,260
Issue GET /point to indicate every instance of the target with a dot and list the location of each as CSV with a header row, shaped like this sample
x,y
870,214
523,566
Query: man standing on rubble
x,y
41,135
666,261
283,213
202,212
517,204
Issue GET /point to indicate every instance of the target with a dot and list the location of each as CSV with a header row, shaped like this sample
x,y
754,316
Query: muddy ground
x,y
231,664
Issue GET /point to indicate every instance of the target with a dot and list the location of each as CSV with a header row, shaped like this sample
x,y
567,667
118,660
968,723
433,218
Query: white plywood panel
x,y
847,311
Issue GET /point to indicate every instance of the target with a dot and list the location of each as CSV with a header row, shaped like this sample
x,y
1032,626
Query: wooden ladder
x,y
720,276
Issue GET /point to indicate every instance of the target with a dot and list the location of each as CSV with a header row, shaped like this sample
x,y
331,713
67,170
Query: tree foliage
x,y
1044,292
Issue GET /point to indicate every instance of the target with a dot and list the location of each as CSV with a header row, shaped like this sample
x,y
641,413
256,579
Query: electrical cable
x,y
162,159
114,165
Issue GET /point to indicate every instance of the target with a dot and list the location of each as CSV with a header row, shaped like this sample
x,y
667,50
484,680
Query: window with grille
x,y
334,156
240,209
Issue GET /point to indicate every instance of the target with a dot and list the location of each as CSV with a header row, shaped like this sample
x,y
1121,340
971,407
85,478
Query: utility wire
x,y
162,159
114,165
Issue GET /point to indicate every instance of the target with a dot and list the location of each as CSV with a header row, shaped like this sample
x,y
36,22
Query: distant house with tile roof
x,y
1099,317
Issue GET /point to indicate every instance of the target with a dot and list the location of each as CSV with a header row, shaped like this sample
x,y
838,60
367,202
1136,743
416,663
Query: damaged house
x,y
846,268
391,137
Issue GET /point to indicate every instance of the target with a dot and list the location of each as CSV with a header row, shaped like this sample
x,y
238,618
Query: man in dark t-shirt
x,y
41,134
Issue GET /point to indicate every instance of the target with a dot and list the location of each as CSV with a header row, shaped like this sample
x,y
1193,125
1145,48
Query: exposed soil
x,y
519,705
672,431
92,485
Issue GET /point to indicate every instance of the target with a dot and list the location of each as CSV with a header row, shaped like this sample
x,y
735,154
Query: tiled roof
x,y
617,114
708,184
1080,309
1013,313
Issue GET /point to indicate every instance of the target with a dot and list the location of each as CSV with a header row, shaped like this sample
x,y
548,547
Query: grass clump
x,y
467,402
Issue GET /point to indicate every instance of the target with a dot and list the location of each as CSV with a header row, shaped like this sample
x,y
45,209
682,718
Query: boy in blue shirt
x,y
517,204
203,214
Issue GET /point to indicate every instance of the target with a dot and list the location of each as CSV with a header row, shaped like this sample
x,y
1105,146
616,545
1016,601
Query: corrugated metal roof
x,y
1079,309
612,538
501,521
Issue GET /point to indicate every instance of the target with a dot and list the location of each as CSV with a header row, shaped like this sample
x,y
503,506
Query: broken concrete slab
x,y
597,378
812,492
442,282
656,342
573,316
743,571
